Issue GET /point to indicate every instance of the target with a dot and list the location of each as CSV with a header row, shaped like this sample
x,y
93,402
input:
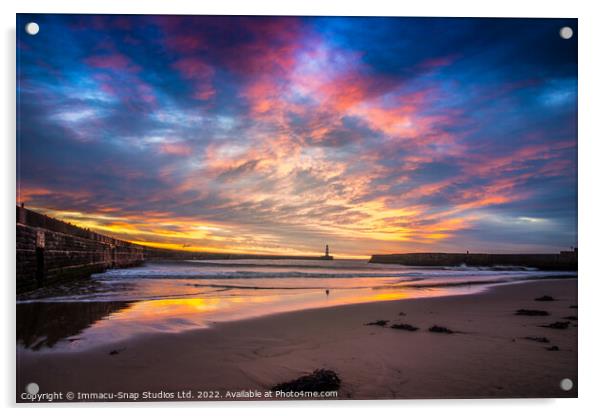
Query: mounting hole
x,y
32,388
566,32
32,28
566,384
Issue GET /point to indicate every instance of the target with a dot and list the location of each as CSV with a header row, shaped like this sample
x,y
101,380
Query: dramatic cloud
x,y
279,135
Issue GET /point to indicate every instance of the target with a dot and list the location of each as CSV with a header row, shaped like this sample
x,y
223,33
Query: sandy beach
x,y
489,354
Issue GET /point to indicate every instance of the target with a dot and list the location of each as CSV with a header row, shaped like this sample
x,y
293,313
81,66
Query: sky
x,y
278,135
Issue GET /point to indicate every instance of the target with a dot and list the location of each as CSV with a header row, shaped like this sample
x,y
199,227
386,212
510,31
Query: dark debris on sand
x,y
557,325
570,318
440,329
553,348
402,314
531,312
573,306
380,322
538,339
545,298
319,380
405,327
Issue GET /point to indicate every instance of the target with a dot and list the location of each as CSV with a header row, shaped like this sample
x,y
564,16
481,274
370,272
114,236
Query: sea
x,y
176,296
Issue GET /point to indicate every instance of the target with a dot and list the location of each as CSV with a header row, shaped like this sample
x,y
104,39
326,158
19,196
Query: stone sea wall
x,y
49,251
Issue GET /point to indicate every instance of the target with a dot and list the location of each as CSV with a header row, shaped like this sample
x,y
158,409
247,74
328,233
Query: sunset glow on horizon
x,y
278,135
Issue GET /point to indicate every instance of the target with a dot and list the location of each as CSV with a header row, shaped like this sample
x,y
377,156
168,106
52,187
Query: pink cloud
x,y
185,43
114,61
132,91
200,73
194,68
438,62
179,149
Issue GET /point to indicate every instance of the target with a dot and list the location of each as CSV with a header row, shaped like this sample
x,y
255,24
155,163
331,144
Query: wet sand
x,y
488,356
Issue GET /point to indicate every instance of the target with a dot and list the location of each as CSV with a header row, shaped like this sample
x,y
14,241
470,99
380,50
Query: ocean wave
x,y
516,279
463,267
147,273
128,274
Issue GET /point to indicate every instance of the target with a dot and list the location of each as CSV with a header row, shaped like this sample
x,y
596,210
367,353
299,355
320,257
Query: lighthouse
x,y
326,255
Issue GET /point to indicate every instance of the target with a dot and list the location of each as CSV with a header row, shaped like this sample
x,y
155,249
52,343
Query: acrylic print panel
x,y
269,208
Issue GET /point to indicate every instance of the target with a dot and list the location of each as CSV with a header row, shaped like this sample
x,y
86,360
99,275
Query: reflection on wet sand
x,y
82,325
44,324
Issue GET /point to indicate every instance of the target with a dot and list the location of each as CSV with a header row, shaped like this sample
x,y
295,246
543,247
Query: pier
x,y
50,251
565,260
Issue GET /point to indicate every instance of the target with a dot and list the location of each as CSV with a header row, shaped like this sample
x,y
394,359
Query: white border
x,y
590,175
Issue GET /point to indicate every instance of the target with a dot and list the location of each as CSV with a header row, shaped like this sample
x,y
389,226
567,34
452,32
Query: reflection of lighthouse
x,y
326,255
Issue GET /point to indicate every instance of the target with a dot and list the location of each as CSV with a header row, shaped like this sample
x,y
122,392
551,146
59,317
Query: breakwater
x,y
565,260
49,251
163,254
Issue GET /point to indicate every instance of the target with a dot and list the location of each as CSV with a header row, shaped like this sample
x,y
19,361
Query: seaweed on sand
x,y
319,380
